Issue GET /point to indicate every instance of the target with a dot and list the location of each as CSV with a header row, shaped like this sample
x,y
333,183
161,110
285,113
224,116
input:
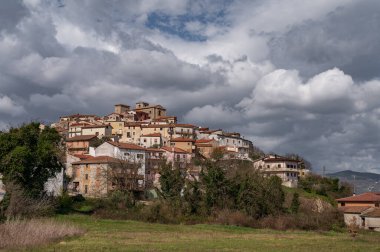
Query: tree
x,y
294,206
30,156
172,181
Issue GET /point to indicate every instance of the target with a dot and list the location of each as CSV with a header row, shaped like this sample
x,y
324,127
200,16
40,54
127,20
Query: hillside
x,y
364,181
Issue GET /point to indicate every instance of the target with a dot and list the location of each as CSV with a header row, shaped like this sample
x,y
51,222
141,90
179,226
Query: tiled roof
x,y
96,126
97,160
375,212
79,124
176,150
154,150
152,135
354,209
365,197
78,115
81,138
201,141
184,125
182,139
82,156
127,146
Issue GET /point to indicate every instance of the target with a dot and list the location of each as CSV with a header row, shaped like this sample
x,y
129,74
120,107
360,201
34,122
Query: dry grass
x,y
26,233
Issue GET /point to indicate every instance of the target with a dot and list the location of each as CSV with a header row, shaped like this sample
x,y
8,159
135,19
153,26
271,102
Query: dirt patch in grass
x,y
27,233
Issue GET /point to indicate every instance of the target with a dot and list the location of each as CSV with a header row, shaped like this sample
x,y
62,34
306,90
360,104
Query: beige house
x,y
80,144
153,111
186,144
75,129
132,132
98,130
151,140
283,167
206,146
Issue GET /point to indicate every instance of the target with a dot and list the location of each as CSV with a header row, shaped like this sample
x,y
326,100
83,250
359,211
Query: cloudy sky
x,y
291,75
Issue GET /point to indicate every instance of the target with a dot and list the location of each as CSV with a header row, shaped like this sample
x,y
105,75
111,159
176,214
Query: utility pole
x,y
323,171
354,184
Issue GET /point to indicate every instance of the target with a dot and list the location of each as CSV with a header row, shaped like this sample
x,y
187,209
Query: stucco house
x,y
100,131
150,140
183,143
362,210
274,165
80,144
124,151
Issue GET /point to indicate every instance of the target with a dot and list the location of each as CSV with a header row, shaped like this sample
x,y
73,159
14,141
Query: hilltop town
x,y
145,136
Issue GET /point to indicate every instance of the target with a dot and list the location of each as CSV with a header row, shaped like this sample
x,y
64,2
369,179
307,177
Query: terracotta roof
x,y
183,125
126,124
375,212
152,135
182,139
82,156
176,150
166,117
81,138
154,150
209,131
156,126
200,141
79,124
203,145
354,209
78,115
365,197
127,146
96,126
97,160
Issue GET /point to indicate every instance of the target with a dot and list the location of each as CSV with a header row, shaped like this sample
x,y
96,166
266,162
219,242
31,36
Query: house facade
x,y
285,168
362,210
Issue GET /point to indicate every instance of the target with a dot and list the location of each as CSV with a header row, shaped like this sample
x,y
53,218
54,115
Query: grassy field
x,y
112,235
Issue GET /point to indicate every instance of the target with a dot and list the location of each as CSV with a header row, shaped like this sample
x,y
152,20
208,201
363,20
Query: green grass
x,y
114,235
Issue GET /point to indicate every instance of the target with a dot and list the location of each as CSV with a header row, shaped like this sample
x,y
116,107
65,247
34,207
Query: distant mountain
x,y
364,181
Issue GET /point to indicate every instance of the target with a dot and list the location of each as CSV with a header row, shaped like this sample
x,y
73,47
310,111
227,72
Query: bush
x,y
19,205
64,203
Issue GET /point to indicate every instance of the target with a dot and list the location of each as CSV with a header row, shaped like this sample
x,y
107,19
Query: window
x,y
126,154
279,166
86,176
144,140
268,166
85,188
342,204
97,133
140,156
75,186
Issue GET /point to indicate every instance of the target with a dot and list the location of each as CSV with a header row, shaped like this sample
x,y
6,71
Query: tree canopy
x,y
30,156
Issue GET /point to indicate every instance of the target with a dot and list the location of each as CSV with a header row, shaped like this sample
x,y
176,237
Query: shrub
x,y
20,205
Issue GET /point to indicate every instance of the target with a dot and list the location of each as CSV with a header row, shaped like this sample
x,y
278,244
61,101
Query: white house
x,y
124,151
285,168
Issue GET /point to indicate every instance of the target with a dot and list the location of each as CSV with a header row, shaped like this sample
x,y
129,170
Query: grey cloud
x,y
346,38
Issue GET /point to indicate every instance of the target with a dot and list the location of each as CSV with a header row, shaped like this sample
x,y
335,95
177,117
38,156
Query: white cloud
x,y
8,106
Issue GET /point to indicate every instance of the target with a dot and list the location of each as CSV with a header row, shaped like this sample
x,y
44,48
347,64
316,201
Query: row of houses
x,y
146,136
